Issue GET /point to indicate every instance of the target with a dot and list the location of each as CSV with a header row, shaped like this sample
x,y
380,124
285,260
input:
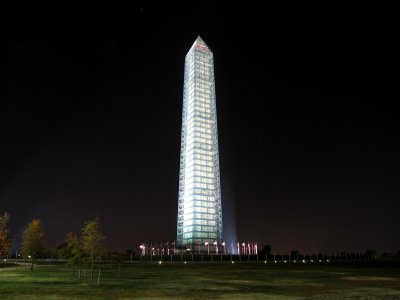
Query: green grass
x,y
205,281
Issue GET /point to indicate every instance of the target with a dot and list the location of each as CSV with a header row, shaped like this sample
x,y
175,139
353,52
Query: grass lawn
x,y
205,281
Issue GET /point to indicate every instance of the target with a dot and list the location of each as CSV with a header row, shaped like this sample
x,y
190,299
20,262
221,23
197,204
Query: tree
x,y
5,241
371,253
60,250
33,241
266,251
129,254
117,258
92,241
294,254
73,252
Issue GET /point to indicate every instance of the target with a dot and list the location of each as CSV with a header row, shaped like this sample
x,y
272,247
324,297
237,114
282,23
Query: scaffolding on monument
x,y
199,200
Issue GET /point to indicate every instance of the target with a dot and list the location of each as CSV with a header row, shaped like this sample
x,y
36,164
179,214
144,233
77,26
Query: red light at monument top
x,y
201,47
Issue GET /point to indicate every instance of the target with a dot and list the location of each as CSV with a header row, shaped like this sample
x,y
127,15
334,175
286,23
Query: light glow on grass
x,y
209,280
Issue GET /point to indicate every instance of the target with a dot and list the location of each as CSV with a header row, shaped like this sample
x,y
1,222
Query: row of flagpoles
x,y
237,248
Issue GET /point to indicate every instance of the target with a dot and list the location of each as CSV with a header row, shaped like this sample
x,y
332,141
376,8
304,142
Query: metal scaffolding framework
x,y
199,203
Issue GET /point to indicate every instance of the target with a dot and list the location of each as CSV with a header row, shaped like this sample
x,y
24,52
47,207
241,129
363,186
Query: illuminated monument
x,y
199,203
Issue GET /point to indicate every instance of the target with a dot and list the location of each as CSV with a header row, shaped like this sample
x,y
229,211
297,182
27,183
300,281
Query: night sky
x,y
90,124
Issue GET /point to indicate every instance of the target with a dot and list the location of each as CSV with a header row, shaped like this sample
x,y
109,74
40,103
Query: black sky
x,y
90,123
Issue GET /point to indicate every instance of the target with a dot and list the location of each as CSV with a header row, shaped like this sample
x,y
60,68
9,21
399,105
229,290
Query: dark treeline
x,y
87,248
